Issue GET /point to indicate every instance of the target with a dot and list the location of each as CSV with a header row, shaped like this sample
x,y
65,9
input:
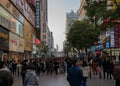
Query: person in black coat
x,y
23,70
104,63
111,69
75,74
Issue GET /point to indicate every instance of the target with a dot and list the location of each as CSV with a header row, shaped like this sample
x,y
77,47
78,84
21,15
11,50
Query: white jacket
x,y
86,71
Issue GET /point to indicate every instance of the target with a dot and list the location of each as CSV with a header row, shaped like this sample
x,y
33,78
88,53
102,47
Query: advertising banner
x,y
25,9
10,8
10,23
4,39
28,36
16,43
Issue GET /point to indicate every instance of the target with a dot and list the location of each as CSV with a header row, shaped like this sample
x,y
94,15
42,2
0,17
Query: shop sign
x,y
112,38
25,9
38,14
98,47
10,23
9,7
4,39
117,35
16,43
107,45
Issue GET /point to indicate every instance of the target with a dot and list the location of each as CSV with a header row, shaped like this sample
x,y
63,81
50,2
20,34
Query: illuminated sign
x,y
38,14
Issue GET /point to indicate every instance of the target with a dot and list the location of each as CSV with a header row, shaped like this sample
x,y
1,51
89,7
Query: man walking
x,y
75,74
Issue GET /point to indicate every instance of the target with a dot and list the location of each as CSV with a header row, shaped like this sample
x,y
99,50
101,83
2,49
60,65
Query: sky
x,y
57,10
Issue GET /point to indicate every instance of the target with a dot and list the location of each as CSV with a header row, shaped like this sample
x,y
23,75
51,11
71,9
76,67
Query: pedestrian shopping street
x,y
60,80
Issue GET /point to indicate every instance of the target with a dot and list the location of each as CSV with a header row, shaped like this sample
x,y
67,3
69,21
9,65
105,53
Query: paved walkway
x,y
60,80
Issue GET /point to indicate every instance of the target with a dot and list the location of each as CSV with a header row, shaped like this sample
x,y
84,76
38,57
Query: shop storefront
x,y
15,28
115,52
4,43
16,46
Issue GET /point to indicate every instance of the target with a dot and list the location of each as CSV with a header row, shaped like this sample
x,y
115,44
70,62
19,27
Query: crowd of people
x,y
78,70
101,67
30,69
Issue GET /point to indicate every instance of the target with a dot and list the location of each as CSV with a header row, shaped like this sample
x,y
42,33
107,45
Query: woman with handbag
x,y
86,71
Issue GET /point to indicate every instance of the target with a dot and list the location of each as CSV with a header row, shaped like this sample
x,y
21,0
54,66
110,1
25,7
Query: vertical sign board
x,y
117,35
38,19
38,14
112,38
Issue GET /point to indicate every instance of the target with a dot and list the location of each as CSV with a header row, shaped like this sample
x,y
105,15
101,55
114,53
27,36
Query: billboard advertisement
x,y
10,8
10,23
16,43
25,9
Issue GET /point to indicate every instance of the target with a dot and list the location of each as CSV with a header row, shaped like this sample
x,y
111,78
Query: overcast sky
x,y
57,10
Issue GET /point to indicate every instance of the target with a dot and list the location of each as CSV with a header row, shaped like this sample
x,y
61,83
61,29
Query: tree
x,y
82,34
43,47
99,10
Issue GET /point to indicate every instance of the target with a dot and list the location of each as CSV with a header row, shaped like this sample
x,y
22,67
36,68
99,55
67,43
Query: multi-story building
x,y
41,19
17,24
70,18
82,11
51,40
51,50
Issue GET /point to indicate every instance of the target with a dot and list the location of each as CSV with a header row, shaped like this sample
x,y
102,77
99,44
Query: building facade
x,y
82,11
17,24
70,18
